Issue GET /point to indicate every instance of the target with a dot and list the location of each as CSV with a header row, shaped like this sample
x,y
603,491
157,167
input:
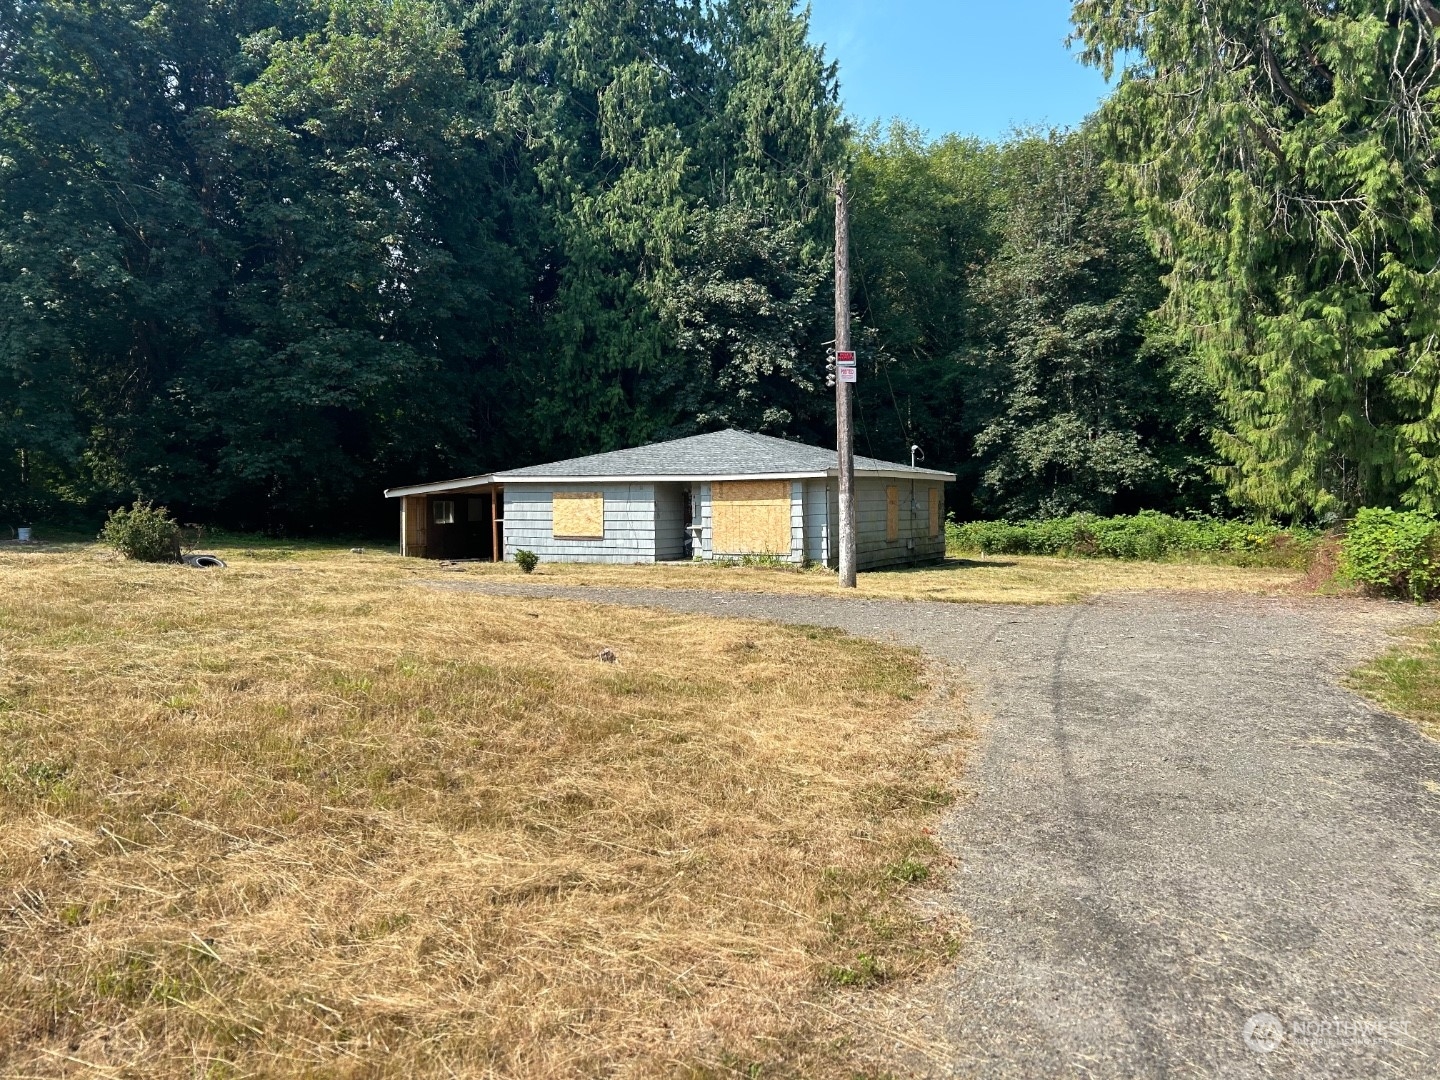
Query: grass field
x,y
1012,579
300,818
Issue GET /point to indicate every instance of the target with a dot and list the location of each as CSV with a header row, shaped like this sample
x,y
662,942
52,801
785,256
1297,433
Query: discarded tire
x,y
204,562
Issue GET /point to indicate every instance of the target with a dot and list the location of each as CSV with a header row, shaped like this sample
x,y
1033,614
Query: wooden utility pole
x,y
844,436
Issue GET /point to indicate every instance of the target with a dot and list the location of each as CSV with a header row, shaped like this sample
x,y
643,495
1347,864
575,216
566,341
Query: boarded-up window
x,y
578,515
892,513
750,517
934,511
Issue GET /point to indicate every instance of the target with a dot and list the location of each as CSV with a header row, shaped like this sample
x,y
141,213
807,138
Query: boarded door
x,y
415,526
892,513
577,515
750,517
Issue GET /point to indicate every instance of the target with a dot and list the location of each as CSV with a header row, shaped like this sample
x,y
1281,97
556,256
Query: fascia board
x,y
690,478
442,485
898,474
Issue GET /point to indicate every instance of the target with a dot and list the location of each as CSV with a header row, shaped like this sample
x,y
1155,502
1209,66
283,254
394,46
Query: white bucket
x,y
23,535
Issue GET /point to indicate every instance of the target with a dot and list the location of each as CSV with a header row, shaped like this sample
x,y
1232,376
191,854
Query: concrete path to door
x,y
1178,820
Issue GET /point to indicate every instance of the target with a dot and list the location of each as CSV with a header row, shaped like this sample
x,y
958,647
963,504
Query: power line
x,y
905,428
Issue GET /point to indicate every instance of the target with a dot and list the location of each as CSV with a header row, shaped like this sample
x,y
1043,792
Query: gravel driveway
x,y
1179,820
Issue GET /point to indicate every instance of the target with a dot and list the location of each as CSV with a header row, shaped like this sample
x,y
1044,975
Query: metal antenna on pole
x,y
844,436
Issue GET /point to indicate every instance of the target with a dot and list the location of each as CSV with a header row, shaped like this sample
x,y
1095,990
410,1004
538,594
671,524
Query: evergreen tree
x,y
664,125
1284,157
747,310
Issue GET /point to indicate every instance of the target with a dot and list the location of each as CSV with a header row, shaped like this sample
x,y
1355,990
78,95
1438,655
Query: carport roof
x,y
475,484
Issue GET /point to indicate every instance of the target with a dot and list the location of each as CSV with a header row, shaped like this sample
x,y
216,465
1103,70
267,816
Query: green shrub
x,y
144,532
526,560
1147,535
1393,553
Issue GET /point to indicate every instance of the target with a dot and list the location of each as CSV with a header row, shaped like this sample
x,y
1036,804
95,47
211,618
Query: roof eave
x,y
658,478
683,478
491,479
442,485
900,474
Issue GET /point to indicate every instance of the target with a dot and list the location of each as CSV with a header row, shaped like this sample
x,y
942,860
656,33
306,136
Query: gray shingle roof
x,y
721,453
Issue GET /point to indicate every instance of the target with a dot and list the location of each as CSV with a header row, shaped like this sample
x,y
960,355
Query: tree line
x,y
261,258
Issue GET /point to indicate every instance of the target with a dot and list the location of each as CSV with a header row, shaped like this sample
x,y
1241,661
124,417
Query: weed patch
x,y
1406,680
1393,553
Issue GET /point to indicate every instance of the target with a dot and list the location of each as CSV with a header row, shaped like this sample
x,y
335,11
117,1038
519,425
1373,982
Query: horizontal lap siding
x,y
873,549
629,524
707,533
818,533
633,511
797,520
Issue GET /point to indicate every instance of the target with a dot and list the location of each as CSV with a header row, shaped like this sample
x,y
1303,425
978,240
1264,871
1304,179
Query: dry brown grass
x,y
998,579
301,818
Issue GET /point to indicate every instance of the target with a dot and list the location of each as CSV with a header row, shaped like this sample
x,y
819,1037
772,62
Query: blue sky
x,y
967,66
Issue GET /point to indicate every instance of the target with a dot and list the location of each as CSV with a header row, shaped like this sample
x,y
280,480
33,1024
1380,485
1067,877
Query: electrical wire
x,y
905,428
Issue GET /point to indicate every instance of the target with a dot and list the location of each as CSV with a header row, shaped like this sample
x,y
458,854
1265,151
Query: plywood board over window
x,y
892,513
578,515
750,517
934,511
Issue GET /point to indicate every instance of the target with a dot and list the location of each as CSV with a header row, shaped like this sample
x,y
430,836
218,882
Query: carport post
x,y
496,552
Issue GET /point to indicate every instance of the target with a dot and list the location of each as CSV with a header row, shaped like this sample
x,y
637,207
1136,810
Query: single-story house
x,y
719,496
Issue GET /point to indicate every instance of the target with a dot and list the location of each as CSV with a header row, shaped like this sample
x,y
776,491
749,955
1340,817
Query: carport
x,y
452,519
